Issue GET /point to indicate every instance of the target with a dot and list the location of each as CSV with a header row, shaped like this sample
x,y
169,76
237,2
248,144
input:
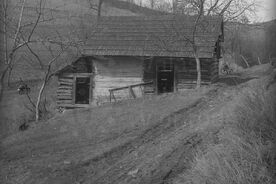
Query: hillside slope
x,y
141,141
69,21
72,20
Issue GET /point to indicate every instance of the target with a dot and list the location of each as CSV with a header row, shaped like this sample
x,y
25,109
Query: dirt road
x,y
144,141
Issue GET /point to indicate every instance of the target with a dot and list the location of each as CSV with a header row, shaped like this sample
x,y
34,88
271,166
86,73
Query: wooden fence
x,y
130,90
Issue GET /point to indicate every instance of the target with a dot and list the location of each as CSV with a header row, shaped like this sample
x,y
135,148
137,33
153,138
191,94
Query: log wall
x,y
186,73
114,72
83,67
65,94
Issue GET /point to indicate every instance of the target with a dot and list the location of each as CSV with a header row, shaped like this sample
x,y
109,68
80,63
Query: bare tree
x,y
16,36
96,5
56,49
194,44
47,76
231,9
152,3
23,36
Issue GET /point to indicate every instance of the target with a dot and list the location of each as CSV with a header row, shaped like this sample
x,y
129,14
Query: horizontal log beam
x,y
126,87
65,83
74,105
65,80
65,101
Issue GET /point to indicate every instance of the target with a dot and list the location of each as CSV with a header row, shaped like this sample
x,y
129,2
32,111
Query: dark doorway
x,y
165,77
82,90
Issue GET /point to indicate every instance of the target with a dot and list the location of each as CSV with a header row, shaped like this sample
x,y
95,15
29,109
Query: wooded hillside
x,y
254,42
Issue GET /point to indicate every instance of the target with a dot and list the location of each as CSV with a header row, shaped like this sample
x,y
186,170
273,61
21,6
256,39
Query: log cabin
x,y
133,56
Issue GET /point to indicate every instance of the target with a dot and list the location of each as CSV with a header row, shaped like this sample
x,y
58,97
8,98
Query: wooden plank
x,y
183,76
64,76
64,98
113,96
64,92
134,85
72,75
131,92
65,88
65,83
91,86
74,105
65,80
74,90
64,101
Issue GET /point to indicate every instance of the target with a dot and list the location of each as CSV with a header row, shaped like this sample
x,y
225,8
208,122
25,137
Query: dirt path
x,y
152,152
154,156
160,153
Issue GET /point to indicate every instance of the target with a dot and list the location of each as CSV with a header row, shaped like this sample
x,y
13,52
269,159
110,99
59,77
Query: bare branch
x,y
35,55
212,7
37,21
19,23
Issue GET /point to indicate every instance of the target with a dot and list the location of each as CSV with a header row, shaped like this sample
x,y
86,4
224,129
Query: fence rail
x,y
130,90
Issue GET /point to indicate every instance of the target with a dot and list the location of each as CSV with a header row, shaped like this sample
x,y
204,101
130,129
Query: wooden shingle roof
x,y
166,35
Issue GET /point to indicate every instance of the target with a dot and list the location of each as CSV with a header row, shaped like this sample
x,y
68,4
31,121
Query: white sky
x,y
266,11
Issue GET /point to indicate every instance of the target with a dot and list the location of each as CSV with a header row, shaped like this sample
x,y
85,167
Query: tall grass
x,y
246,152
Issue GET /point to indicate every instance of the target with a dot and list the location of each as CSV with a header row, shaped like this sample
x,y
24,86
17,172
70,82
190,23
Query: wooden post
x,y
259,61
113,96
174,77
131,92
243,58
74,90
156,78
142,91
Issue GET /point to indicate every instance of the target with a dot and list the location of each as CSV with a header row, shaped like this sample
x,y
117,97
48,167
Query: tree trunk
x,y
152,4
37,111
259,61
100,8
9,76
198,69
2,82
174,6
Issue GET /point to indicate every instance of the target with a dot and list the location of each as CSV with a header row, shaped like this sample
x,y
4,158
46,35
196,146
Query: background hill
x,y
71,20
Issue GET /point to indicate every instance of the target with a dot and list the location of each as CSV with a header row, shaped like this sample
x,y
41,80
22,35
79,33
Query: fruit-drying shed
x,y
128,57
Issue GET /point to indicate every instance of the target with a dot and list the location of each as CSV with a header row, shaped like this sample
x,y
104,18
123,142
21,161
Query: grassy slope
x,y
144,141
69,19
